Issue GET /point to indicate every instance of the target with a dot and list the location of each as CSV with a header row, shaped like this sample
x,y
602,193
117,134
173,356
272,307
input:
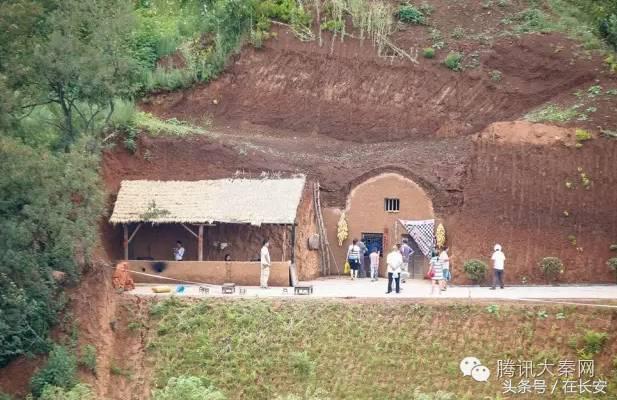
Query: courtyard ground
x,y
412,289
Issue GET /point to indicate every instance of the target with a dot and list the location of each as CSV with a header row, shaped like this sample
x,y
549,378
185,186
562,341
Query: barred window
x,y
392,205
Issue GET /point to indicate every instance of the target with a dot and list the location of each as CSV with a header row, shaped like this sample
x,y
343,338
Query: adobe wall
x,y
366,214
212,272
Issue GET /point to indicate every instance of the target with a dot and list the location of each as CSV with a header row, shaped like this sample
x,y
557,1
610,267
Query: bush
x,y
187,388
582,135
551,267
429,52
608,30
88,358
532,20
302,364
78,392
612,265
453,60
410,14
59,371
475,270
593,342
50,205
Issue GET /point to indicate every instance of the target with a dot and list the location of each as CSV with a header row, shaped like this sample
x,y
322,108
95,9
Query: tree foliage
x,y
49,207
76,62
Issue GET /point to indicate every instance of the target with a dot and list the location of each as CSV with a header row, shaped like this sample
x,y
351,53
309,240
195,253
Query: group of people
x,y
398,260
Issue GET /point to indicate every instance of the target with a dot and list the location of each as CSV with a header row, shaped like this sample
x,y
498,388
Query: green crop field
x,y
340,350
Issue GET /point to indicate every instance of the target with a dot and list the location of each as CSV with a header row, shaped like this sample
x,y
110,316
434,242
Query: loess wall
x,y
517,195
365,212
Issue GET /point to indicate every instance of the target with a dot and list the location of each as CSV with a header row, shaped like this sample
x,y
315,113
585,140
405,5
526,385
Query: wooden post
x,y
125,242
293,243
284,242
200,243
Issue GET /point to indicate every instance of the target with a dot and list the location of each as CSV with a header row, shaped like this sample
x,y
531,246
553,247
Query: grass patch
x,y
172,127
552,113
264,349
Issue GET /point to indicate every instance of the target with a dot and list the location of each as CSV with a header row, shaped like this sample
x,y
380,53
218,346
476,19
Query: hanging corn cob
x,y
342,231
441,236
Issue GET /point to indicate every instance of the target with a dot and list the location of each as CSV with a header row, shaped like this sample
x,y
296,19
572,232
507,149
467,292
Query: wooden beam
x,y
125,242
293,243
134,232
284,242
200,243
190,231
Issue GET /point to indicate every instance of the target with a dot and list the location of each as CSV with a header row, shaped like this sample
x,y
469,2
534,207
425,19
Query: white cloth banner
x,y
422,232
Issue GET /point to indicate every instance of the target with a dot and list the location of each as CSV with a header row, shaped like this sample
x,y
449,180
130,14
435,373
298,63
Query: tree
x,y
79,62
49,208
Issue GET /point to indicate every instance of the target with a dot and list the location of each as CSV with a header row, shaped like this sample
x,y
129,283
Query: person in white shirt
x,y
265,264
374,264
499,260
395,265
179,251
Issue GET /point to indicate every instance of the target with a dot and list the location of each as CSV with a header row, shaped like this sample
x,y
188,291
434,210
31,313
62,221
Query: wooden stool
x,y
242,290
303,290
228,288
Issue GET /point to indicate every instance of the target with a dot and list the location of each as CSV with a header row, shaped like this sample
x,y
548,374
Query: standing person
x,y
265,264
363,251
444,259
406,252
353,257
395,263
437,278
374,264
499,261
179,251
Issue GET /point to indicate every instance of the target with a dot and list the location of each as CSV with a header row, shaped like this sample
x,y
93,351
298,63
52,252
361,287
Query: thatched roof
x,y
251,201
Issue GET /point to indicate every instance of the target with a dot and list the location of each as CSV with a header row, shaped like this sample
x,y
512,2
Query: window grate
x,y
392,205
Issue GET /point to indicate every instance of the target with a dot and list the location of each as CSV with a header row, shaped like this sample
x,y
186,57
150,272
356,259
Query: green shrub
x,y
78,392
582,135
50,204
593,342
453,60
475,270
4,396
410,14
59,370
551,267
428,52
532,20
187,388
302,364
88,358
608,30
612,265
332,25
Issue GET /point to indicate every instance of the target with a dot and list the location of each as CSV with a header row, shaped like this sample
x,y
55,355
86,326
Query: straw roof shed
x,y
237,201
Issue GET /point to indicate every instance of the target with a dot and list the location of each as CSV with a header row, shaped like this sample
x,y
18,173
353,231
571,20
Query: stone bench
x,y
303,290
